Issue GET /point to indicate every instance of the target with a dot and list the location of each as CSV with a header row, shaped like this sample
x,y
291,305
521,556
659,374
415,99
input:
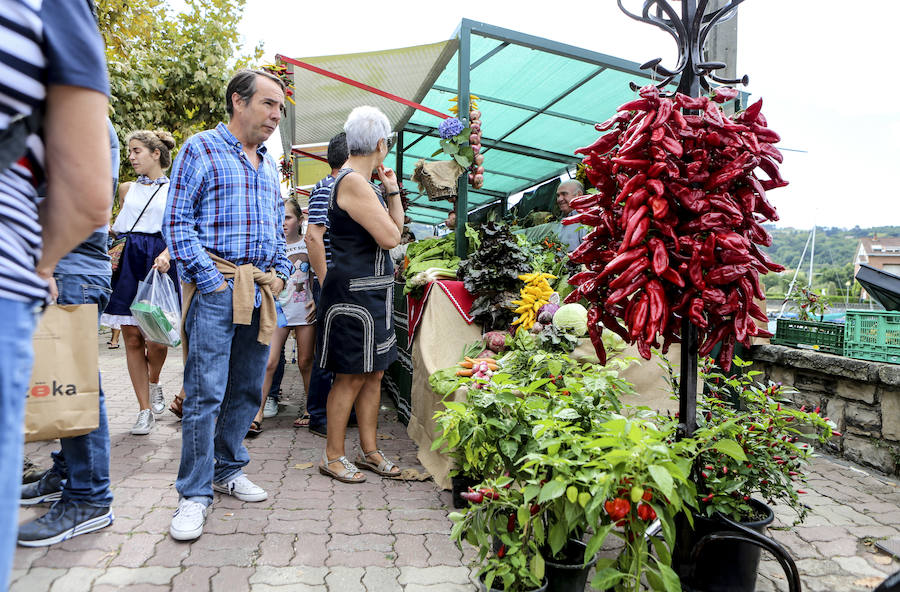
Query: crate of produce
x,y
872,335
820,336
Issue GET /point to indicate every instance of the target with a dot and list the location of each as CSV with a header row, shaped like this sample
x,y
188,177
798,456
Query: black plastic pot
x,y
568,574
484,588
723,556
459,484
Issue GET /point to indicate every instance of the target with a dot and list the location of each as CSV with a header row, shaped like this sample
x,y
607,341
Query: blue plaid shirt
x,y
219,203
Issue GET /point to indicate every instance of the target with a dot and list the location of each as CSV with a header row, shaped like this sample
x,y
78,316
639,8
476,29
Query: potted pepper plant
x,y
766,468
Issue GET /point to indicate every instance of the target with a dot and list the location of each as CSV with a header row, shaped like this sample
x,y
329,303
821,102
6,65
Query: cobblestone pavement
x,y
316,534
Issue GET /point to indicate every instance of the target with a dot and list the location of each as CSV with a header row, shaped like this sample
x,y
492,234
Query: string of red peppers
x,y
677,222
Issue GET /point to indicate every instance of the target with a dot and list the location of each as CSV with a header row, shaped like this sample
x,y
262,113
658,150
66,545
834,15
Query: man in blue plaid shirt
x,y
223,225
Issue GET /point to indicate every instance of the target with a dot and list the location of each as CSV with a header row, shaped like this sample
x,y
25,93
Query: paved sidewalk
x,y
316,534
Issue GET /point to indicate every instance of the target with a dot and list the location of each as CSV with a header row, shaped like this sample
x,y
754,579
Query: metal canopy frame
x,y
465,65
518,144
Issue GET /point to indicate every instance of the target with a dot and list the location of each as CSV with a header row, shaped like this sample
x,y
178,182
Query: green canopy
x,y
539,101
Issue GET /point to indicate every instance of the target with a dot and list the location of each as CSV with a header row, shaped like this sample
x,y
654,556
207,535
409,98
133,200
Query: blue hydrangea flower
x,y
450,127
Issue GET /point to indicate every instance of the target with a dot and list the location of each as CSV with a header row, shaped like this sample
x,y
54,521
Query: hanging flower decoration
x,y
282,73
454,136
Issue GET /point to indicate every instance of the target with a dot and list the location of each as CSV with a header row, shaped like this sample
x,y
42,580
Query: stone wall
x,y
862,397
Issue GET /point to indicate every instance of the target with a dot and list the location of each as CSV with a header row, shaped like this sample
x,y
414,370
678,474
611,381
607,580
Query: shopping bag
x,y
63,398
156,309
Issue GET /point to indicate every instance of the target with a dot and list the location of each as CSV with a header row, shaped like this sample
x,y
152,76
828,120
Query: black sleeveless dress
x,y
355,313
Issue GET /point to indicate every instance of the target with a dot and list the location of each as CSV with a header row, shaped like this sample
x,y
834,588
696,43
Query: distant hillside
x,y
834,246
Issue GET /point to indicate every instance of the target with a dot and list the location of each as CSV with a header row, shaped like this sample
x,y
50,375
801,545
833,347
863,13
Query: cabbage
x,y
572,319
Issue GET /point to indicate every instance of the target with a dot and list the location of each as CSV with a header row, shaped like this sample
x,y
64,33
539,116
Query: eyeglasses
x,y
390,141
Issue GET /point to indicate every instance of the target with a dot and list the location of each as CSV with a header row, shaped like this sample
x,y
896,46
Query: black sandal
x,y
255,429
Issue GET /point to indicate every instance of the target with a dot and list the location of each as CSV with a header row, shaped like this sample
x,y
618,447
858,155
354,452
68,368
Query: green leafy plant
x,y
492,274
507,535
772,443
809,305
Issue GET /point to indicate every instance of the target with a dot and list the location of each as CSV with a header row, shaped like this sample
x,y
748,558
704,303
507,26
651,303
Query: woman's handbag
x,y
118,245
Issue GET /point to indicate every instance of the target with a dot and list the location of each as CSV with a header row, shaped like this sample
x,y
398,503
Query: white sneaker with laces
x,y
188,520
242,488
270,409
144,423
157,399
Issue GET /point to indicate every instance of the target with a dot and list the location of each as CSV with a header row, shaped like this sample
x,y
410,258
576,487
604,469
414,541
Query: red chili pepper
x,y
511,523
501,552
595,330
646,513
603,144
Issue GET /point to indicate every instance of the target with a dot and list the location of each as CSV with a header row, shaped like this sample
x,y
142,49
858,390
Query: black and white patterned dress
x,y
355,312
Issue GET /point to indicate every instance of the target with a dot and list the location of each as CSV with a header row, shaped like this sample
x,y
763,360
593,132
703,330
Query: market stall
x,y
537,100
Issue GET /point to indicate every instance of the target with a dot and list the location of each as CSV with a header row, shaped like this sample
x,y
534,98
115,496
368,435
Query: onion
x,y
475,139
479,159
479,170
476,148
474,115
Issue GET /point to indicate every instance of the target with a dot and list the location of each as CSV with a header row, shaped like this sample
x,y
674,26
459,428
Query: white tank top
x,y
134,202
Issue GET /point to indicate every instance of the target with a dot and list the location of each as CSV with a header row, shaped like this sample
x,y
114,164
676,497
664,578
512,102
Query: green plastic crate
x,y
872,335
820,336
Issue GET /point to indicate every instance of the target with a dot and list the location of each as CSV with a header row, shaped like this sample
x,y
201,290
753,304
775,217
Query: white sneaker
x,y
157,399
188,520
242,488
270,409
144,423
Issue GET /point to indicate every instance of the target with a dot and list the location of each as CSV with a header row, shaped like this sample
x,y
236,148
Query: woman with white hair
x,y
356,339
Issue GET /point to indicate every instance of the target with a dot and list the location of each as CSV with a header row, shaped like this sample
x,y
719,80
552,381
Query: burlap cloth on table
x,y
439,342
437,179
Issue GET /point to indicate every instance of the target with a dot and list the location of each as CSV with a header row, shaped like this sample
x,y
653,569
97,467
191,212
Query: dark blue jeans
x,y
277,377
16,357
223,390
320,378
84,460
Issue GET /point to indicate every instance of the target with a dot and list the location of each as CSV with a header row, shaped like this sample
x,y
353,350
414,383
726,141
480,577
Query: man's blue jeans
x,y
320,378
84,460
16,357
223,378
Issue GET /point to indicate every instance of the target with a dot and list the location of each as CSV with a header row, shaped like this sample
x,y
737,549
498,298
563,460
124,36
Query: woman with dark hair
x,y
143,203
357,340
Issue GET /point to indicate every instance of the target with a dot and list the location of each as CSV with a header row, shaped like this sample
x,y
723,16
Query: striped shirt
x,y
219,203
54,42
318,210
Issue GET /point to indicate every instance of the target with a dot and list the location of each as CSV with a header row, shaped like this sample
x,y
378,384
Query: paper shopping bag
x,y
63,399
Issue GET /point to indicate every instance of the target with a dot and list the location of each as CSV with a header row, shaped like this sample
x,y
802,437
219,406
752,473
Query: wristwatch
x,y
284,279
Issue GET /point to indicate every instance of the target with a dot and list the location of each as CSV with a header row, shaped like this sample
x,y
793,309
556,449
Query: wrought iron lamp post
x,y
690,29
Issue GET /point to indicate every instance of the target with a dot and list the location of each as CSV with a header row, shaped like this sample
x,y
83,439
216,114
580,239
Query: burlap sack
x,y
63,399
437,179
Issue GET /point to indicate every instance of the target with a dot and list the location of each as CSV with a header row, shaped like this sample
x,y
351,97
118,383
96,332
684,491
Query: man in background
x,y
571,234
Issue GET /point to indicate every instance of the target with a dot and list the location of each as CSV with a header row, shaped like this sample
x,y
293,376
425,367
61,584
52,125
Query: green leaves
x,y
551,490
662,478
731,448
170,71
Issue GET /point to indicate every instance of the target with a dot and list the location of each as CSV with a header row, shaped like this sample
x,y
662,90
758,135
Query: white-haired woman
x,y
356,340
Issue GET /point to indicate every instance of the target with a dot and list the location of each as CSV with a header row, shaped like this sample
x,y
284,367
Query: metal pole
x,y
690,338
812,256
462,201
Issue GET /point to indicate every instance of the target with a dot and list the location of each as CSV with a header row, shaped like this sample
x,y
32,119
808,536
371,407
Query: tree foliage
x,y
169,71
833,267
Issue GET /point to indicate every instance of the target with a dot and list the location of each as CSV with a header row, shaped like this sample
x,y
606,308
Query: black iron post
x,y
689,29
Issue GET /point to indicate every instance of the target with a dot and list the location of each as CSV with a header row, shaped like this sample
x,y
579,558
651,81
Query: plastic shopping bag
x,y
156,309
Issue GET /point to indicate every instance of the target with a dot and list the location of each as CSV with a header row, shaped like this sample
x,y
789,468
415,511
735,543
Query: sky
x,y
818,65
